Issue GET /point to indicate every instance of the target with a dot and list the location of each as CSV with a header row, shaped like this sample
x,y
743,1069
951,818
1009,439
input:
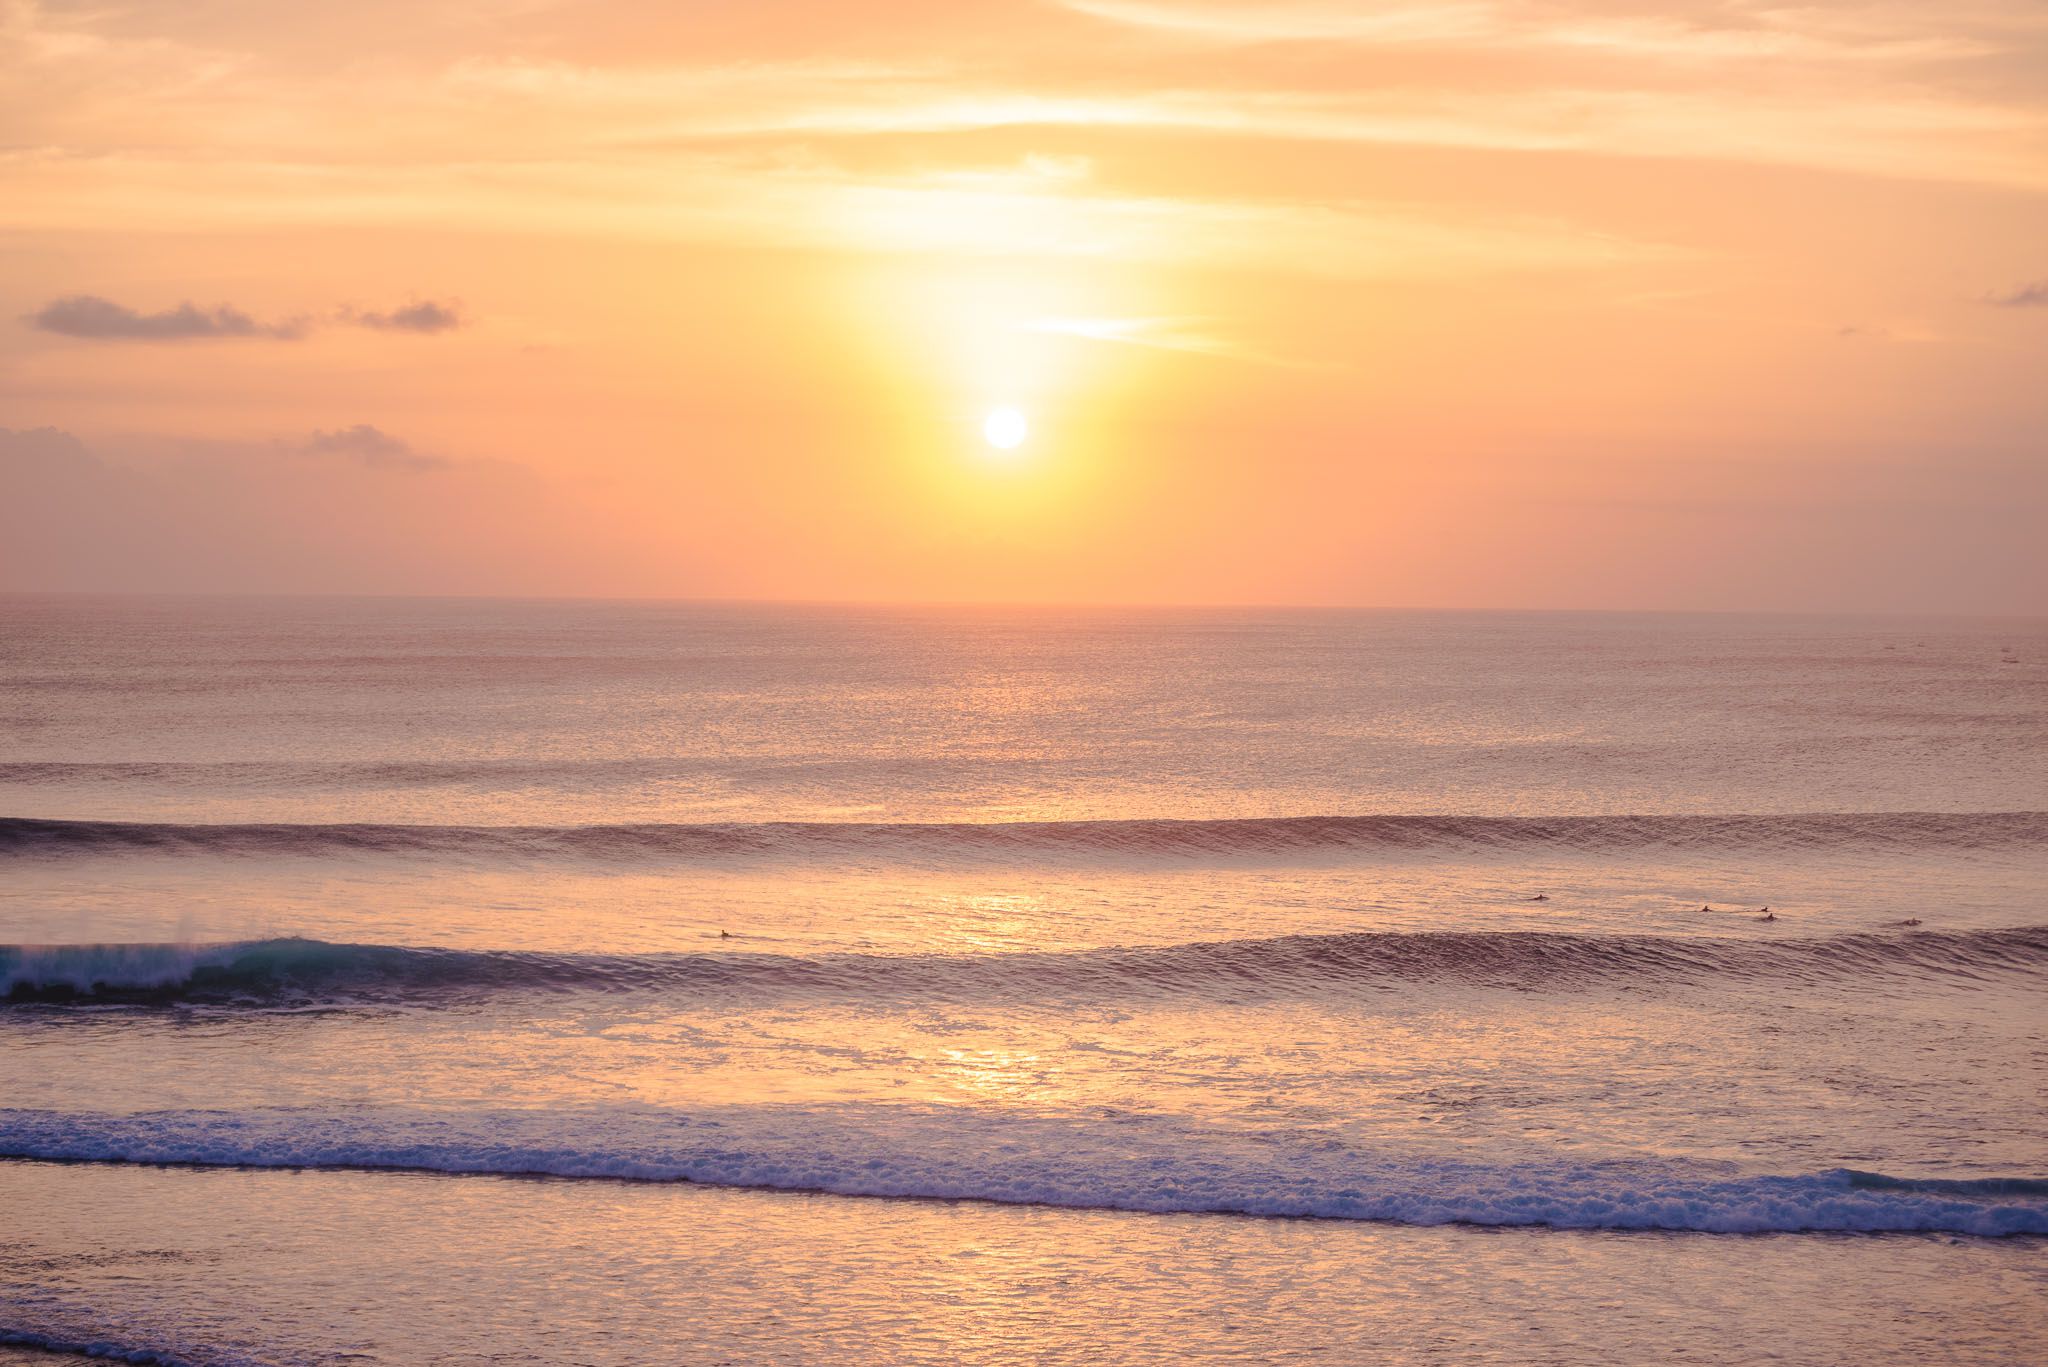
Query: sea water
x,y
411,981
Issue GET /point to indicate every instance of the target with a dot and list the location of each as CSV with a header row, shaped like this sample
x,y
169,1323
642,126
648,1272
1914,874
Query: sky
x,y
1635,304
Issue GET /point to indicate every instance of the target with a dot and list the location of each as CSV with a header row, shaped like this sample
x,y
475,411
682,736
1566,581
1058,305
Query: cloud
x,y
42,446
1267,23
1737,34
88,315
2030,296
370,446
187,513
1163,334
423,315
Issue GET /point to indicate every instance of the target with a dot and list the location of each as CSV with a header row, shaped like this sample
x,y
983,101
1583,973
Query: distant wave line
x,y
1086,840
99,1347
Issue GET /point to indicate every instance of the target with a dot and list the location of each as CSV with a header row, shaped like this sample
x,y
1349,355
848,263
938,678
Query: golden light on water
x,y
1095,680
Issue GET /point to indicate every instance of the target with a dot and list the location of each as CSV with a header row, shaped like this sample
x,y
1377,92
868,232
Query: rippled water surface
x,y
465,982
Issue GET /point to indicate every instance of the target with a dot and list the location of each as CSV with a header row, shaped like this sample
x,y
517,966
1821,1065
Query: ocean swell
x,y
1085,842
299,970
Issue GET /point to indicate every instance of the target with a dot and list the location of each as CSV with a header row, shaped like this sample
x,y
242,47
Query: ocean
x,y
461,981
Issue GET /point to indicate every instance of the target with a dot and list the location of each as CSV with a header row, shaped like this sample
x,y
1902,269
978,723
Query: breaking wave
x,y
1083,841
99,1349
1117,1162
300,970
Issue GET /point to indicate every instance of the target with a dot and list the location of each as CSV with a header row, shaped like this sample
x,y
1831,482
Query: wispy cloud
x,y
421,316
1045,210
2029,296
1824,100
1885,133
1198,336
772,145
89,316
1338,237
1299,22
1731,33
370,446
43,446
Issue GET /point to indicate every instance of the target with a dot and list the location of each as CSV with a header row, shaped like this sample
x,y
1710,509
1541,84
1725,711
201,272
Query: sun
x,y
1005,429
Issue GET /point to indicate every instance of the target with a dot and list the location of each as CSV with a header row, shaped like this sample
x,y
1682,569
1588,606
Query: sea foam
x,y
1160,1164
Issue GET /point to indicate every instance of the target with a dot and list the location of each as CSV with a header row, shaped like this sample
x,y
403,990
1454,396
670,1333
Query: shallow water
x,y
294,1267
1121,927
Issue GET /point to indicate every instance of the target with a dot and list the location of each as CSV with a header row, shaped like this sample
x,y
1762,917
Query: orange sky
x,y
1577,303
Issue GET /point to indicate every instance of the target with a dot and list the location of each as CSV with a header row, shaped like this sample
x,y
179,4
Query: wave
x,y
1128,1162
302,775
1087,841
101,1349
316,971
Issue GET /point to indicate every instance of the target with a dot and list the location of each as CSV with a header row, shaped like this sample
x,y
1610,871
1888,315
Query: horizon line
x,y
1005,604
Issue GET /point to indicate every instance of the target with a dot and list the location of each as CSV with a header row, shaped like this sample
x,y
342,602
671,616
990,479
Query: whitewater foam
x,y
1121,1162
99,1349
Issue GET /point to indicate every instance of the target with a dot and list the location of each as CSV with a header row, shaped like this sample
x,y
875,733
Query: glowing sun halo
x,y
1005,429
